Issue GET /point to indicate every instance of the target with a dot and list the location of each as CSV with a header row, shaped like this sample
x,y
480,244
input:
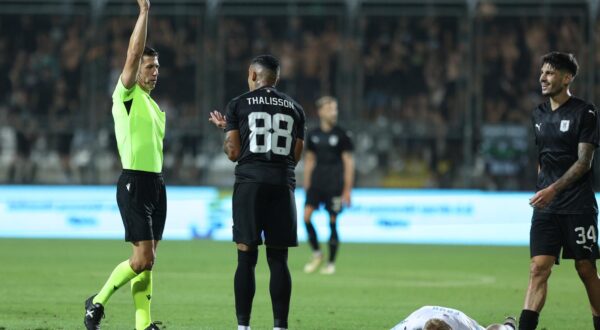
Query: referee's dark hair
x,y
562,62
270,63
149,51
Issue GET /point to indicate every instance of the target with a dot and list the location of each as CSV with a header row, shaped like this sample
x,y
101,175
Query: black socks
x,y
333,242
312,236
529,320
245,285
280,285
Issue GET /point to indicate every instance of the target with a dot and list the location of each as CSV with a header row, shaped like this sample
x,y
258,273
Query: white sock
x,y
243,327
279,328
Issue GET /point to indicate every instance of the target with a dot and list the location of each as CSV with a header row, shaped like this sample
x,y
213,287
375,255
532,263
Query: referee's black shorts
x,y
576,234
331,199
142,201
264,211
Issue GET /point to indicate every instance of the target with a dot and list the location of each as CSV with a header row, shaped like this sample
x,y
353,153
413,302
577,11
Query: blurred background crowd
x,y
432,100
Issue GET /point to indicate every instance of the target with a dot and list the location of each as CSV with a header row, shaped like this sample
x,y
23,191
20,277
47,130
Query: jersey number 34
x,y
265,138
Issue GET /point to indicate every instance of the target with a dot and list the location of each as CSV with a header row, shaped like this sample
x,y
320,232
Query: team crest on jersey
x,y
333,140
564,125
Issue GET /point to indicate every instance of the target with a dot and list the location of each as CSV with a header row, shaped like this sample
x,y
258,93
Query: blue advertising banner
x,y
376,215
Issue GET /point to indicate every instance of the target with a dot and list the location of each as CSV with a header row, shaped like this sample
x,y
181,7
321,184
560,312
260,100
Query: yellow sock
x,y
141,290
119,276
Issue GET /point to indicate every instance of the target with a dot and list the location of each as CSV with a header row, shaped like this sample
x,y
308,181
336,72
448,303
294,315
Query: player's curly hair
x,y
268,62
436,324
562,62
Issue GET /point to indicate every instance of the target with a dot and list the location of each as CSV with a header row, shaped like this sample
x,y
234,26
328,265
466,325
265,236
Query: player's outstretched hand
x,y
543,197
144,4
218,119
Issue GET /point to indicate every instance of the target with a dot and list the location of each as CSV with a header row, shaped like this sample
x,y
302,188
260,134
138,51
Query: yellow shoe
x,y
314,262
329,269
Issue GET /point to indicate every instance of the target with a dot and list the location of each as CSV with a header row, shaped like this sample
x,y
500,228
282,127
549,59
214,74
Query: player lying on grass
x,y
443,318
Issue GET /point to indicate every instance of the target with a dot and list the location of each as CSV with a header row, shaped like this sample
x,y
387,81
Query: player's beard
x,y
553,91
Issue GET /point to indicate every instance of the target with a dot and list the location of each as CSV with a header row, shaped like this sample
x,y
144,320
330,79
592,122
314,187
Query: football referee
x,y
565,214
141,195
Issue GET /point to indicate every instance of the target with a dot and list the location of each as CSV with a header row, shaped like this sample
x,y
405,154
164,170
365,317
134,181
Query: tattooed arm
x,y
585,153
583,164
232,145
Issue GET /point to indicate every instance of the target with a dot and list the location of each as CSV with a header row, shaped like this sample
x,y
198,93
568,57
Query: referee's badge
x,y
564,125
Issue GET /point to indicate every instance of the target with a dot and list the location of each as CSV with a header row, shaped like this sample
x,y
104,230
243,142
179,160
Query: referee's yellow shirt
x,y
139,129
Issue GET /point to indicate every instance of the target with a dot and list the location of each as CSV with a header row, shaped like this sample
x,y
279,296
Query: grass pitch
x,y
43,284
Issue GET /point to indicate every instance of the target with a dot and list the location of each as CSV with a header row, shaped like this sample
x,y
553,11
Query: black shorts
x,y
576,234
142,200
264,210
332,200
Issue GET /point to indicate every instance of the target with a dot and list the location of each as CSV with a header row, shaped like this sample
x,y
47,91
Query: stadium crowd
x,y
409,129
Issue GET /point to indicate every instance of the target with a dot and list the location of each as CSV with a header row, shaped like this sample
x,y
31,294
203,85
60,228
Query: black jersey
x,y
328,147
269,123
557,135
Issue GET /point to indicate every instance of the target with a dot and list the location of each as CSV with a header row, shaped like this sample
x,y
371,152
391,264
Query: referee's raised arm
x,y
137,42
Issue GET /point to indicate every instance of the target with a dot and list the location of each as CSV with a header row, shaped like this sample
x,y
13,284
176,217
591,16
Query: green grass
x,y
43,284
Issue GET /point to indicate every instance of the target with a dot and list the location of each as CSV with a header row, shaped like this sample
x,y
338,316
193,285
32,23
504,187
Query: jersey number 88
x,y
269,142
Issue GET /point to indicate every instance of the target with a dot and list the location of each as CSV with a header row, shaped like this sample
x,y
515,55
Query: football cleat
x,y
153,326
328,269
93,314
314,263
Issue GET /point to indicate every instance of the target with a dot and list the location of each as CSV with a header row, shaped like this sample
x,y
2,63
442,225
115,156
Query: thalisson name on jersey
x,y
257,100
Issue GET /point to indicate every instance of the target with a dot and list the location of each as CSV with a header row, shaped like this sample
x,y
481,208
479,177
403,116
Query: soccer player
x,y
141,195
264,134
328,179
444,318
565,209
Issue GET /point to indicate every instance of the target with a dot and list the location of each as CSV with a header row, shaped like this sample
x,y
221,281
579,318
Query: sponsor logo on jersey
x,y
538,126
564,125
270,101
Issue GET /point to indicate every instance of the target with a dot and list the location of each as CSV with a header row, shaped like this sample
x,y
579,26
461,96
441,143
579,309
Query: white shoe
x,y
328,269
314,262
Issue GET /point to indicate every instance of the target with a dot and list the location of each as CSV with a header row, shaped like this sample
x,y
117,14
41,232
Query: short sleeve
x,y
588,132
121,93
533,126
231,116
301,124
347,144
